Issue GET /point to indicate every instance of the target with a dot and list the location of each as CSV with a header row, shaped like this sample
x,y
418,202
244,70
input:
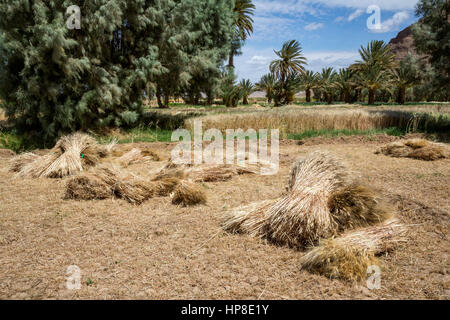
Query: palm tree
x,y
309,82
327,82
377,52
230,92
376,62
404,77
247,88
267,84
243,11
345,82
373,79
291,61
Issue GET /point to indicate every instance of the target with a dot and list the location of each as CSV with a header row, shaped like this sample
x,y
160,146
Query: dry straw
x,y
188,194
107,182
419,149
204,172
72,154
349,256
322,200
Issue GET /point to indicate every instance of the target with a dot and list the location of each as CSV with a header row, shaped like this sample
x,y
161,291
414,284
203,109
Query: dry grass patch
x,y
419,149
349,256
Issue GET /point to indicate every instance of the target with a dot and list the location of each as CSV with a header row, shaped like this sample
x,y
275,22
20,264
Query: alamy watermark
x,y
374,277
74,20
73,281
374,21
235,145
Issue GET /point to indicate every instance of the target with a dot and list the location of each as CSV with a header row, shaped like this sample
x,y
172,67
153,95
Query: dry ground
x,y
160,251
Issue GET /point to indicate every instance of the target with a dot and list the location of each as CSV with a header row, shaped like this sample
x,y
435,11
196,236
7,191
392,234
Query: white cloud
x,y
254,62
339,19
355,14
291,7
392,24
336,59
270,28
391,5
314,26
314,7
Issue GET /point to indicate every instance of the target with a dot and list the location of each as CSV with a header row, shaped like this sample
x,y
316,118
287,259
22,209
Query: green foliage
x,y
310,81
230,92
345,132
267,84
405,76
55,80
327,83
290,63
373,71
432,38
345,82
247,88
243,24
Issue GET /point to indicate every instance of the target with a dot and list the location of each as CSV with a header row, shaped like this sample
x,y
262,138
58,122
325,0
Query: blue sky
x,y
330,31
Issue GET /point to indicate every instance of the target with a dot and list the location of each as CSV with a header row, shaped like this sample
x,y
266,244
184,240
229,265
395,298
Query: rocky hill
x,y
403,44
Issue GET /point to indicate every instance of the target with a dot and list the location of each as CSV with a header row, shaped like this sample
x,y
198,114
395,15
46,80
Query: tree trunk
x,y
330,98
166,101
401,95
158,97
347,97
210,99
308,95
358,95
342,98
245,100
231,59
196,99
371,97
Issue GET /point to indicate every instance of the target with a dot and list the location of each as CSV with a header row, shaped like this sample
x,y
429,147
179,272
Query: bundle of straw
x,y
349,256
18,162
188,194
204,172
108,181
322,200
419,149
71,154
131,157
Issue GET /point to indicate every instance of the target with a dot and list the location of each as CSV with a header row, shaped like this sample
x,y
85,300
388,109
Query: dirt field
x,y
160,251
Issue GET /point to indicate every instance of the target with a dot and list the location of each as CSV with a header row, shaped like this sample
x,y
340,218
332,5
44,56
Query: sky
x,y
329,31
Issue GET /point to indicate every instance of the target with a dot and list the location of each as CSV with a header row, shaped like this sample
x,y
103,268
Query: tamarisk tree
x,y
56,79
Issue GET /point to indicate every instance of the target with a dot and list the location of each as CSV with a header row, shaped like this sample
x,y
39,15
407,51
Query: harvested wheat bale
x,y
188,194
146,152
107,181
322,200
18,162
249,219
214,173
88,187
356,206
203,173
349,256
71,154
165,187
131,157
419,149
133,189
